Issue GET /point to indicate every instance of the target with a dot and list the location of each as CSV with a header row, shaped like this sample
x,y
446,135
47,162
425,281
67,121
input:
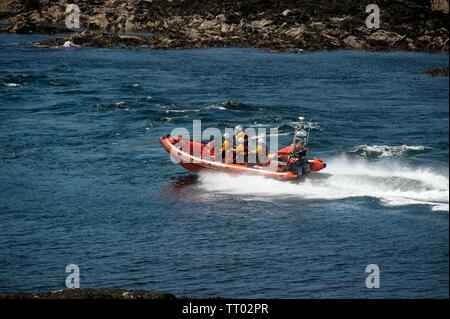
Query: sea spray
x,y
381,151
391,182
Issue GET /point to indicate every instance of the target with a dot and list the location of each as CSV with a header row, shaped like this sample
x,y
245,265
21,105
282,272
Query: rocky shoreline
x,y
90,293
280,26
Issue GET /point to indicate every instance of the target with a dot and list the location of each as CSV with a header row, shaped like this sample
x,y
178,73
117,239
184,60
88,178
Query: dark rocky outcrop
x,y
412,25
90,293
438,72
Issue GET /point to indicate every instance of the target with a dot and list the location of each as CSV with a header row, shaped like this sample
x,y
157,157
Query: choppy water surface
x,y
84,180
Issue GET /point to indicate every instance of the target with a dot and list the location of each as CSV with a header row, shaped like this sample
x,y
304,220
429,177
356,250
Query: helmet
x,y
238,129
226,136
261,141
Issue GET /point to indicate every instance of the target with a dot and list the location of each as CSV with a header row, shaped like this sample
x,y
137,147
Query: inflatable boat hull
x,y
195,162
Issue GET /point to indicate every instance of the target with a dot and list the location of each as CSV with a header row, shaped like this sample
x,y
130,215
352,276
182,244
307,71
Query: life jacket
x,y
226,146
241,149
237,137
210,147
261,153
260,150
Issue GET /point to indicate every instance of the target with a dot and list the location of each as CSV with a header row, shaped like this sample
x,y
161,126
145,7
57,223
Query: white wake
x,y
380,151
393,183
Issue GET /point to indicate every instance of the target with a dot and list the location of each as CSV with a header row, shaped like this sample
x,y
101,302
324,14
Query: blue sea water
x,y
83,179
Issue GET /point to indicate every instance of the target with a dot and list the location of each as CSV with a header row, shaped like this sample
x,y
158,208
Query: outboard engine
x,y
300,167
303,167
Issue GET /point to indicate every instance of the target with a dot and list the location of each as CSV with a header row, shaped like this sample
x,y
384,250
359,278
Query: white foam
x,y
218,107
182,111
441,207
70,44
381,151
393,183
11,85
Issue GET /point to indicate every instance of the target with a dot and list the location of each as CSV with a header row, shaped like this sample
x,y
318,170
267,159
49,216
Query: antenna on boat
x,y
300,132
310,125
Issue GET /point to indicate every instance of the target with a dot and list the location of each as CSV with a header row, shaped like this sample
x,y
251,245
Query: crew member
x,y
209,148
238,133
241,151
227,148
261,152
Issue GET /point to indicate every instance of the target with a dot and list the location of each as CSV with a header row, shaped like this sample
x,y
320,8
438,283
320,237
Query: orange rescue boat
x,y
289,163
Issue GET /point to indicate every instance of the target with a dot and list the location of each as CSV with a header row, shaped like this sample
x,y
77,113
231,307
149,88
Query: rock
x,y
221,18
225,28
332,41
16,295
383,38
286,12
438,72
209,25
319,26
101,22
339,20
411,46
280,25
24,27
295,32
425,38
439,5
129,26
9,7
260,24
353,42
91,293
